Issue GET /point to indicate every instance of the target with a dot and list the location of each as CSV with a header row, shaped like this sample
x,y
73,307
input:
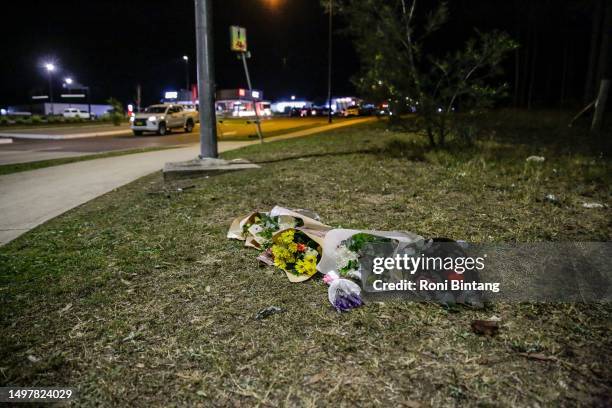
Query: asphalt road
x,y
29,150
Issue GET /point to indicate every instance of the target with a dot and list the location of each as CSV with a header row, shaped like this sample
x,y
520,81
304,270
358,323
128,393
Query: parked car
x,y
190,107
162,118
352,110
75,113
367,110
319,111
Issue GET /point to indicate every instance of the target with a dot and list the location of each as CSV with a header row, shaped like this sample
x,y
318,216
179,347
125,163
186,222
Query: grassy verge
x,y
137,297
19,167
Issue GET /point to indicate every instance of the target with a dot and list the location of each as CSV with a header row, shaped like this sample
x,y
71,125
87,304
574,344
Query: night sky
x,y
114,45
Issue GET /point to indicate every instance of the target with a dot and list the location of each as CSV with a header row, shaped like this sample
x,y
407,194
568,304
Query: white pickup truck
x,y
162,118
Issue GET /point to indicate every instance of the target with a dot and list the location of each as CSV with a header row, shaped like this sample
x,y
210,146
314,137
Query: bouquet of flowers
x,y
343,248
262,226
343,294
296,252
349,250
258,228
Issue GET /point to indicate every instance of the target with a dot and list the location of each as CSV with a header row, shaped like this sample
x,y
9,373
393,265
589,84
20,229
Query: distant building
x,y
285,106
56,108
341,103
241,103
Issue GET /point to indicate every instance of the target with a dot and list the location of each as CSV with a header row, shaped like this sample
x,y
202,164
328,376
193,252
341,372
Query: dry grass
x,y
138,299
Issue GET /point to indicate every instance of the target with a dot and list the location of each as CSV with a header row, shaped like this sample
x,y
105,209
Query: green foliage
x,y
116,113
396,65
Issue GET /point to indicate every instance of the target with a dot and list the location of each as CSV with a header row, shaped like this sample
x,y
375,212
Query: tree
x,y
596,27
390,39
116,112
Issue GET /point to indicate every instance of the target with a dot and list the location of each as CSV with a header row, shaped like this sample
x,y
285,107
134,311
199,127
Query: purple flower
x,y
345,302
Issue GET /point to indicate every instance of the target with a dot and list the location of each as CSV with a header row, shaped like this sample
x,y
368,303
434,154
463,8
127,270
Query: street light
x,y
68,81
186,59
50,67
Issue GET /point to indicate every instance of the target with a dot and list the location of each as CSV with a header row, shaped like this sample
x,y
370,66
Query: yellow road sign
x,y
238,39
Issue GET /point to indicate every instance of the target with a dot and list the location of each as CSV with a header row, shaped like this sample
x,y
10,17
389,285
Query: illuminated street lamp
x,y
68,81
186,59
50,67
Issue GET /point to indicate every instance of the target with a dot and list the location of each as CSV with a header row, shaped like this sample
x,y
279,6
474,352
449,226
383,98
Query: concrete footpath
x,y
30,198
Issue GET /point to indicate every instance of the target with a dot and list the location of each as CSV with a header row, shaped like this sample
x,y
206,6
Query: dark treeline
x,y
564,46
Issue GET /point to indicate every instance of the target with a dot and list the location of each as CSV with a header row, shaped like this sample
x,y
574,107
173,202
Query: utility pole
x,y
187,84
329,61
88,100
138,97
50,68
206,79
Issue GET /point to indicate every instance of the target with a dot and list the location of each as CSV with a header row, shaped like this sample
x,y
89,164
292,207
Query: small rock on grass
x,y
33,359
268,311
551,198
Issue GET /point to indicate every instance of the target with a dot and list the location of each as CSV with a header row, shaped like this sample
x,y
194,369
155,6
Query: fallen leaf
x,y
486,327
315,379
129,336
66,308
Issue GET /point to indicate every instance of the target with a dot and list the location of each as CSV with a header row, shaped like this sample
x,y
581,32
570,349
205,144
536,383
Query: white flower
x,y
344,256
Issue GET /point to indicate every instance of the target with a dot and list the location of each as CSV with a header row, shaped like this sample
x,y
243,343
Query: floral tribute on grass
x,y
296,242
295,252
349,250
258,228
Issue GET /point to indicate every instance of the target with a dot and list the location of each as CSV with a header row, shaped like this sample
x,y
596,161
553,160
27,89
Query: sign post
x,y
238,43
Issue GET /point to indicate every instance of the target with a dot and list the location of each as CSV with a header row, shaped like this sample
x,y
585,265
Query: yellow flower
x,y
285,238
282,256
307,266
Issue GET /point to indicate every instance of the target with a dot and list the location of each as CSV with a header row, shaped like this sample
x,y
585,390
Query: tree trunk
x,y
606,43
430,133
589,85
600,105
517,67
532,78
526,57
517,60
564,73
